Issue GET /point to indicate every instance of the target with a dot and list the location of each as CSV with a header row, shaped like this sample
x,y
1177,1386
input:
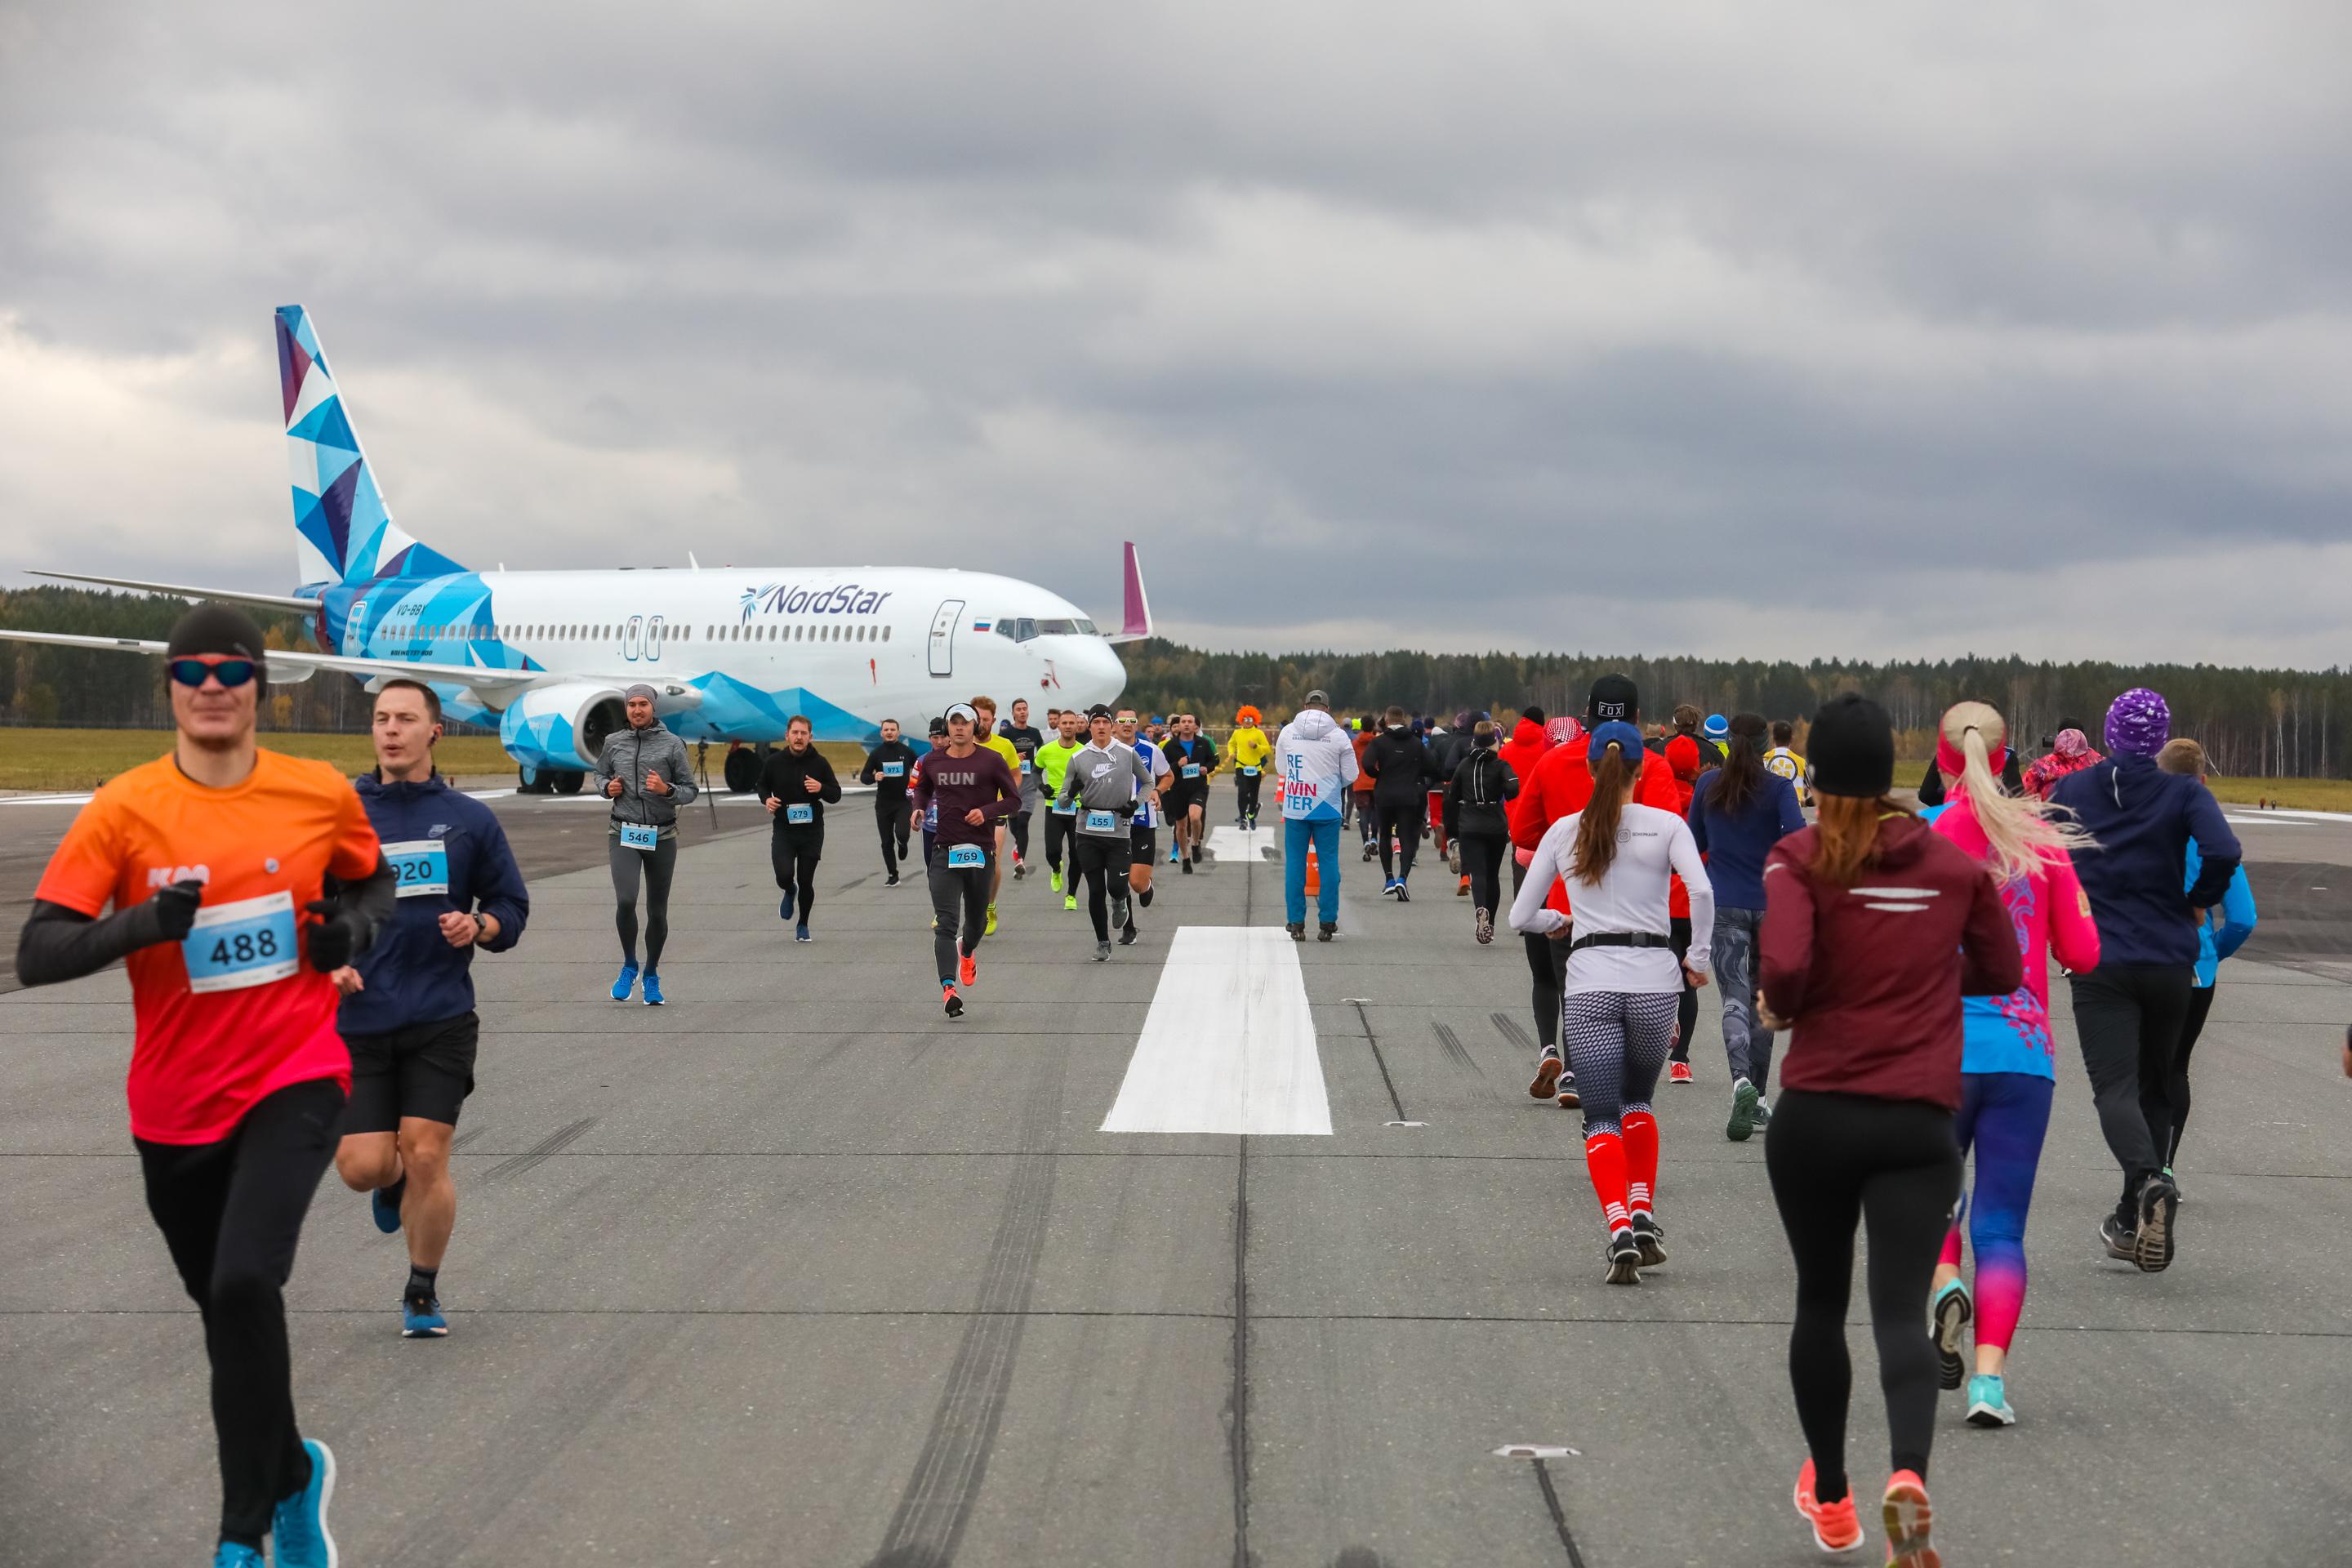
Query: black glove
x,y
334,938
176,909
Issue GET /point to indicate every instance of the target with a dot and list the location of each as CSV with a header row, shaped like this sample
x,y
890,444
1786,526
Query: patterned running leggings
x,y
1617,1043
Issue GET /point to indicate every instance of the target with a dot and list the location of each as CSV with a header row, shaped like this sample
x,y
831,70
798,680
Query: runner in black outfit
x,y
796,783
1400,770
889,767
1026,738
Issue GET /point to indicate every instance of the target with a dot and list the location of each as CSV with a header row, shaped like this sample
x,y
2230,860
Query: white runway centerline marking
x,y
1228,843
1229,1044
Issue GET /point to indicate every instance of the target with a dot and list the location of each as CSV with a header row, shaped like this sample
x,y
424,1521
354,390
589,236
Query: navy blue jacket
x,y
1735,846
2144,819
413,976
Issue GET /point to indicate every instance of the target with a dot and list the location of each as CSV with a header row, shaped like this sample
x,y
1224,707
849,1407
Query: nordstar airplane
x,y
733,653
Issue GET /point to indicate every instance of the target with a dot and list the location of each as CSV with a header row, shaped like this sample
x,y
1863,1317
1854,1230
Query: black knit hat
x,y
1614,697
1852,748
221,629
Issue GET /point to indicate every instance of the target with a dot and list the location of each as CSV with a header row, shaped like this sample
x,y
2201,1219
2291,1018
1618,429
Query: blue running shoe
x,y
1988,1402
232,1555
784,909
800,932
625,984
384,1203
297,1531
653,989
422,1319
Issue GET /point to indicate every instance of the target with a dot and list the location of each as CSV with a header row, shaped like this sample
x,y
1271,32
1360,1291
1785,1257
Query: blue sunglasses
x,y
231,673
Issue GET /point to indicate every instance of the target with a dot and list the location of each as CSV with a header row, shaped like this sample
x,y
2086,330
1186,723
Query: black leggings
x,y
1020,820
1482,857
1891,1164
960,900
890,822
1103,862
231,1213
1403,816
2201,1001
1679,931
1246,795
655,864
2129,1018
1061,830
794,852
1547,965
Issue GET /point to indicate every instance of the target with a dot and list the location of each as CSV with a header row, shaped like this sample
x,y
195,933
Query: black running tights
x,y
890,822
2201,1001
231,1213
1891,1165
1103,862
1061,830
794,852
1547,965
655,864
1403,816
1678,929
1482,858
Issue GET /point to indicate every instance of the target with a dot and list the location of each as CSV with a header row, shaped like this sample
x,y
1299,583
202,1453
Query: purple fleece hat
x,y
2138,723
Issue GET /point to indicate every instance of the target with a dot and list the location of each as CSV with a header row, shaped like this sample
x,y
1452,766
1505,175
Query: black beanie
x,y
222,629
1614,697
1852,748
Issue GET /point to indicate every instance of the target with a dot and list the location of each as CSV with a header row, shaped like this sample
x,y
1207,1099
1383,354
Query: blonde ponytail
x,y
2018,830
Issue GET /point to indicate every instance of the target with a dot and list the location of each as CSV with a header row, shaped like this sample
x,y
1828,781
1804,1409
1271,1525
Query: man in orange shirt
x,y
1559,785
217,860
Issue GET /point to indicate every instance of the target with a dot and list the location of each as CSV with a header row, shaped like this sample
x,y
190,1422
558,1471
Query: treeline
x,y
2267,723
88,689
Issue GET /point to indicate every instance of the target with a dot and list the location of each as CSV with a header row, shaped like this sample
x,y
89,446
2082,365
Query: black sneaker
x,y
1189,864
1651,1238
1127,935
1102,953
2117,1235
2152,1245
1327,929
1404,895
1371,851
891,881
1144,898
1625,1257
1297,930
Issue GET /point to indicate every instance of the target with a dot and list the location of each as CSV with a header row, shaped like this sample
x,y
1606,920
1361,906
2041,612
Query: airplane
x,y
733,653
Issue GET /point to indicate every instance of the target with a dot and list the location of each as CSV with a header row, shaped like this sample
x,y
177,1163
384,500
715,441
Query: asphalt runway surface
x,y
794,1270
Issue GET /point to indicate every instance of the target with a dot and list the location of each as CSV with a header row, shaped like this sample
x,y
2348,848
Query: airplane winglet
x,y
1139,606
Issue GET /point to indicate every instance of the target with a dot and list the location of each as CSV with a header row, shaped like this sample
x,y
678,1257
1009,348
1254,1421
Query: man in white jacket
x,y
1316,763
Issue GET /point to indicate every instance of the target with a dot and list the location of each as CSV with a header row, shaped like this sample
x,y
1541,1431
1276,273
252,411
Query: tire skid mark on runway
x,y
467,1136
546,1148
928,1527
1374,1041
1508,1027
1459,1054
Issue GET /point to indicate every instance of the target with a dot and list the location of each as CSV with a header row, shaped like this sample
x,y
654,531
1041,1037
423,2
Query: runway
x,y
796,1271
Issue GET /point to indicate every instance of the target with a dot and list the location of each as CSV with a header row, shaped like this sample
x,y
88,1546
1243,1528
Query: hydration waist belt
x,y
1620,939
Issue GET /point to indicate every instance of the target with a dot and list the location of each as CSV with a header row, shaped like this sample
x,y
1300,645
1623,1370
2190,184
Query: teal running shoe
x,y
1988,1402
625,984
232,1555
1953,1309
421,1318
384,1204
297,1531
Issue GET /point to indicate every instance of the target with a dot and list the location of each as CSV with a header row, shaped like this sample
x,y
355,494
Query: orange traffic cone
x,y
1314,872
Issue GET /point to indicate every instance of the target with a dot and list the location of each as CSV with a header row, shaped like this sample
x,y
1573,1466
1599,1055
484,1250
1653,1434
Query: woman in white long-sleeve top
x,y
1617,1013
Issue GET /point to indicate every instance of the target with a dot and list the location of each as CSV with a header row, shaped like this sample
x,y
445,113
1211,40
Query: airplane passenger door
x,y
943,625
631,637
654,637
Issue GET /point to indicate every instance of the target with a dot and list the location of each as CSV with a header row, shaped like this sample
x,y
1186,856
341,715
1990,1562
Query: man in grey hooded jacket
x,y
1104,778
646,774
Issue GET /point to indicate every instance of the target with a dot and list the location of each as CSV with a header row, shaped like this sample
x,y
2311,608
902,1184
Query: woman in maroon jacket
x,y
1874,929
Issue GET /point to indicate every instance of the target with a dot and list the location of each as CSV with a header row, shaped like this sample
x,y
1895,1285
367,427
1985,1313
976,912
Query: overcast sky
x,y
1917,330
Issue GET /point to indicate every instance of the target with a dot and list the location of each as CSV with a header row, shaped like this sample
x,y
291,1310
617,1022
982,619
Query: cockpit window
x,y
1020,628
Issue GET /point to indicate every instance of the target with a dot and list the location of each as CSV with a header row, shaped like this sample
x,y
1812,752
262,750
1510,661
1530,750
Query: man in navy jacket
x,y
408,1005
2128,1012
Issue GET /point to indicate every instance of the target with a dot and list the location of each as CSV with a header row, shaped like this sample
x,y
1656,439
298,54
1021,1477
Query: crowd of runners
x,y
300,953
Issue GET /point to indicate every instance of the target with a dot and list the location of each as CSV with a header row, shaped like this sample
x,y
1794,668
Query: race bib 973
x,y
422,865
248,943
894,769
966,857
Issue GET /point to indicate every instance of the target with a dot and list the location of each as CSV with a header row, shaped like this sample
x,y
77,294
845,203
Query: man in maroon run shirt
x,y
974,792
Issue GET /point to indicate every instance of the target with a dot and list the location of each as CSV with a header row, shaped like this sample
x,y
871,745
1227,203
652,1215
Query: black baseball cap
x,y
1614,697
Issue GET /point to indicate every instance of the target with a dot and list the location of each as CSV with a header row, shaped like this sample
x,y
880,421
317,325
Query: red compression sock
x,y
1604,1161
1640,1160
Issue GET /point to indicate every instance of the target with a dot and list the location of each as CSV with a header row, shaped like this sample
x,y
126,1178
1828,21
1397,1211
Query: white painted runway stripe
x,y
1230,843
1229,1044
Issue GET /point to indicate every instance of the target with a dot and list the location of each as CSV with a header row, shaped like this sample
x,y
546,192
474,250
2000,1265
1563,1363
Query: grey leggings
x,y
1747,1044
656,865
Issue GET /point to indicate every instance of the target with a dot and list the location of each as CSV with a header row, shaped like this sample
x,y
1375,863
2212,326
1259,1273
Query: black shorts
x,y
425,1071
1191,800
1143,841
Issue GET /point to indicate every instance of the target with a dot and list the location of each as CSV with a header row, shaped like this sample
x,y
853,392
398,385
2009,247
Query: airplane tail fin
x,y
1139,608
342,532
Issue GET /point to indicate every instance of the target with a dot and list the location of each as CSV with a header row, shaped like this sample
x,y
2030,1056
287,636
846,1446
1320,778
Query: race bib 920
x,y
248,943
422,865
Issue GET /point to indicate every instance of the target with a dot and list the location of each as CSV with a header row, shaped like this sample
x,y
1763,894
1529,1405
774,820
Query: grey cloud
x,y
1468,326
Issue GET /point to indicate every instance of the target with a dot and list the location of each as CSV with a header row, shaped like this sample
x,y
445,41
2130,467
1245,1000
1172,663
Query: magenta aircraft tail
x,y
1138,606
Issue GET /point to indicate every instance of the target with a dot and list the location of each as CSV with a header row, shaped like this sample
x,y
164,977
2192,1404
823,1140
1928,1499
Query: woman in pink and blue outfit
x,y
2007,1062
